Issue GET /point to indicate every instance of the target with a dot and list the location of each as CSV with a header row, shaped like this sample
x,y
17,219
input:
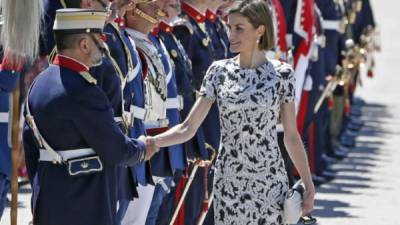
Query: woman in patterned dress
x,y
252,93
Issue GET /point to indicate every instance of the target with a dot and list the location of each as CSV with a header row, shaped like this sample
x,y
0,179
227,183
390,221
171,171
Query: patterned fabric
x,y
250,178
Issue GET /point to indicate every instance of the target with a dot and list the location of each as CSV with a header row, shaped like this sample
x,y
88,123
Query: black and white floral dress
x,y
250,179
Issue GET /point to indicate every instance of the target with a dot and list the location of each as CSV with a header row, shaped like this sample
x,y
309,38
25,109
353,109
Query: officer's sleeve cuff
x,y
6,64
142,150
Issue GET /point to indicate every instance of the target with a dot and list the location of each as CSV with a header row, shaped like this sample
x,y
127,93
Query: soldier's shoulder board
x,y
183,21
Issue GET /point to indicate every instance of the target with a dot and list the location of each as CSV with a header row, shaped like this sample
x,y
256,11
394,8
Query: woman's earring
x,y
258,40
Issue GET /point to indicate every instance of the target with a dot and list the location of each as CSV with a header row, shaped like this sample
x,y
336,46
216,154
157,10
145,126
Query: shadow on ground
x,y
352,172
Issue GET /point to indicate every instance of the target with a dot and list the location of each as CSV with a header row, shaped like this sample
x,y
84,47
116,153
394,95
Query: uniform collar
x,y
211,16
70,63
155,31
137,34
164,26
193,12
120,21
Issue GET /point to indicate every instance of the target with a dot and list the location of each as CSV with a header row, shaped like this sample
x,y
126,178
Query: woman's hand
x,y
308,199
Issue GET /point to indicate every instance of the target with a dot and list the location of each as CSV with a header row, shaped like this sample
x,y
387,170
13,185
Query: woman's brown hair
x,y
258,13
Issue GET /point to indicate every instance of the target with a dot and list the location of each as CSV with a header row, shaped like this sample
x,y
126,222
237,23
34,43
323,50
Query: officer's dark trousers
x,y
4,187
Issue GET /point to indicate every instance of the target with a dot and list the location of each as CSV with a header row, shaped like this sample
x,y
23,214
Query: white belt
x,y
138,112
46,155
118,119
4,117
135,112
331,25
175,103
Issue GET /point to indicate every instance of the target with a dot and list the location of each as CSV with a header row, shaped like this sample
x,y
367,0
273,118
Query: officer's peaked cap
x,y
75,21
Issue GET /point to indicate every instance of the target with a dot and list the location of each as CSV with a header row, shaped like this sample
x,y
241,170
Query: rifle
x,y
15,134
197,164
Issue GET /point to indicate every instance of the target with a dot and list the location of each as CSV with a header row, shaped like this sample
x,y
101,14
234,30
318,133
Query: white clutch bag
x,y
293,204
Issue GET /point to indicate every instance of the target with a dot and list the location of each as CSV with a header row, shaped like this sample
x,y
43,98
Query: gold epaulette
x,y
88,77
184,21
52,55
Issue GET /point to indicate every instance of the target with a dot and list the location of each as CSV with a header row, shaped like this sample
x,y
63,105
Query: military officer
x,y
157,75
191,31
217,31
50,6
183,70
86,156
9,74
175,104
114,77
333,28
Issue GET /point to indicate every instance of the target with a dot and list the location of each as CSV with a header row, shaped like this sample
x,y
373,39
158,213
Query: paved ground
x,y
367,187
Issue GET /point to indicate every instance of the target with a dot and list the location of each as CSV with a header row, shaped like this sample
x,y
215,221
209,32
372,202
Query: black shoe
x,y
353,127
356,112
341,149
329,159
347,141
328,175
308,220
351,133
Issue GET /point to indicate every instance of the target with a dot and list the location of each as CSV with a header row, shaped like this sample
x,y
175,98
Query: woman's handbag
x,y
293,204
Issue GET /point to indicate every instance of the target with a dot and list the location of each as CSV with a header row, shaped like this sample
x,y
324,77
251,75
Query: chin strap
x,y
145,16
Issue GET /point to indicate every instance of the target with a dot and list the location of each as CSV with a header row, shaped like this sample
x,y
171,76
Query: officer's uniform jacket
x,y
218,35
73,114
157,75
333,26
121,91
174,102
134,97
191,32
47,42
364,19
8,80
183,71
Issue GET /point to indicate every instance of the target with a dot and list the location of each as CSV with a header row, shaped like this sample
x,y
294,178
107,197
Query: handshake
x,y
151,147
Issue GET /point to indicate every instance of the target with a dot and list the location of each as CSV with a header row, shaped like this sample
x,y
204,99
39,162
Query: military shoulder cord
x,y
157,78
38,136
126,49
123,84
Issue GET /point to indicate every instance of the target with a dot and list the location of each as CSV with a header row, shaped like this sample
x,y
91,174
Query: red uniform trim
x,y
70,63
193,13
212,17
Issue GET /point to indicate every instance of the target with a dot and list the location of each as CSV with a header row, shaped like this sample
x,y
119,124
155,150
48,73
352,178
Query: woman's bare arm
x,y
186,130
295,148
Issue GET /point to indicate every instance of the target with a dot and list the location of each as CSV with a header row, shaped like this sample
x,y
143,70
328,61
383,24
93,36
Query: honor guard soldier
x,y
65,98
139,23
47,42
123,51
191,31
333,26
183,71
317,76
9,73
217,31
174,103
129,105
114,76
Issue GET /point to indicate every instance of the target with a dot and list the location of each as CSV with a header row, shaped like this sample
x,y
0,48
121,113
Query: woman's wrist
x,y
151,142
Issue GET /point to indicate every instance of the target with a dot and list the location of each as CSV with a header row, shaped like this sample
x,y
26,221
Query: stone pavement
x,y
366,190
